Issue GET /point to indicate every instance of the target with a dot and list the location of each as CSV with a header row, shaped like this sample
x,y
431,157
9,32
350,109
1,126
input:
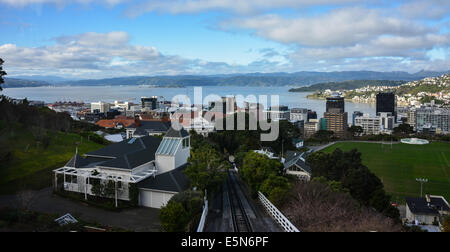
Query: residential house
x,y
428,210
295,164
152,165
147,128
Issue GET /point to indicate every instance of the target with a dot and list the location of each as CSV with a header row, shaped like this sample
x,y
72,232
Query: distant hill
x,y
347,85
16,83
298,79
47,78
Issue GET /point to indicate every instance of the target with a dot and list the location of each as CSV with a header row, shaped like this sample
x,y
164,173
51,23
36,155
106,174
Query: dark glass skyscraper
x,y
386,103
335,105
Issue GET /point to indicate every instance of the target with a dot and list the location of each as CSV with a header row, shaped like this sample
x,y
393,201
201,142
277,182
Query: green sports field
x,y
399,166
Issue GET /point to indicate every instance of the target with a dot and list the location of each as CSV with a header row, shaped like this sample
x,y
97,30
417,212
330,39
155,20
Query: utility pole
x,y
421,181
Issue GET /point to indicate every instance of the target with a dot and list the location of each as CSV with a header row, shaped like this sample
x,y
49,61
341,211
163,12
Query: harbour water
x,y
134,93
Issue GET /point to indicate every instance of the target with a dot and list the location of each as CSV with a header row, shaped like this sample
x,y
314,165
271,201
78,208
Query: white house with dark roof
x,y
426,210
295,164
154,165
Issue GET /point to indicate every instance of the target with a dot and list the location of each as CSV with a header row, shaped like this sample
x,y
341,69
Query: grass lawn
x,y
31,165
399,166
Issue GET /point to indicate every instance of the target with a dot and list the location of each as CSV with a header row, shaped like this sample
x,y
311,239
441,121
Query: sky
x,y
115,38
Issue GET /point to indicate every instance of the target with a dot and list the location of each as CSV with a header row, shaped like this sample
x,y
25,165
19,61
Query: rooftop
x,y
421,206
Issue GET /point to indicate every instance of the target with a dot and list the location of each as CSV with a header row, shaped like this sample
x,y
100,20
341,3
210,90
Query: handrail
x,y
201,224
277,215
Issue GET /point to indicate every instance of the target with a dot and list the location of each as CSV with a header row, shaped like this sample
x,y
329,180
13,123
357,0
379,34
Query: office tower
x,y
335,105
336,117
298,114
386,103
433,120
149,102
311,115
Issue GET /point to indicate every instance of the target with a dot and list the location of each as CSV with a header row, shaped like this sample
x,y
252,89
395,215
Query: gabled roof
x,y
129,153
296,158
77,162
172,181
177,133
420,205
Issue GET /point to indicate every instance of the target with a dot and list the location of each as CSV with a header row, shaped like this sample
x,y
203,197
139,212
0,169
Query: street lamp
x,y
421,181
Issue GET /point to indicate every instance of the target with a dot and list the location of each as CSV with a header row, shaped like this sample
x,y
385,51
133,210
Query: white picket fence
x,y
201,224
277,215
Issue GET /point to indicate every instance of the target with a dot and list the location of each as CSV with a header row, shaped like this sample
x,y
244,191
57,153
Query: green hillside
x,y
28,159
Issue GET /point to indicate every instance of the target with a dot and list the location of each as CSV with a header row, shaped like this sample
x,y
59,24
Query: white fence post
x,y
277,215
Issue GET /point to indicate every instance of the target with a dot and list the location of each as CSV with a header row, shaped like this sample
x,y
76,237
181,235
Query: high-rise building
x,y
335,105
432,119
149,102
311,127
386,103
337,122
311,115
411,117
100,107
335,116
387,120
298,114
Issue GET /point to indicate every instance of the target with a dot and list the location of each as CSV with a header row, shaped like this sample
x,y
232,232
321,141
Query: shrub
x,y
173,217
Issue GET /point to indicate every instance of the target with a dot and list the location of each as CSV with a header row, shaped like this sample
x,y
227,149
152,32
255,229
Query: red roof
x,y
126,122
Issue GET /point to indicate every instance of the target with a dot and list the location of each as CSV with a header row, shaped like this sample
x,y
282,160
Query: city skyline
x,y
112,38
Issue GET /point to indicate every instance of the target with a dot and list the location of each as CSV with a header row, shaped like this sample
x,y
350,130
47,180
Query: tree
x,y
355,130
257,168
347,168
404,129
2,73
206,169
276,188
173,217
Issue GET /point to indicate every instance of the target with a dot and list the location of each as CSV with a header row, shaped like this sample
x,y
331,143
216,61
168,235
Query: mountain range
x,y
297,79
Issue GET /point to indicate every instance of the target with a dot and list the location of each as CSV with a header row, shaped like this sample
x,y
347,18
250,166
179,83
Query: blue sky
x,y
110,38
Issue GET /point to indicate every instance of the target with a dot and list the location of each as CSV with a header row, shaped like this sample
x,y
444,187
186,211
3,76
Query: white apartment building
x,y
102,107
311,127
370,125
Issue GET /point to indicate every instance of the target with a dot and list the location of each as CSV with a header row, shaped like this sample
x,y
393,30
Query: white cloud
x,y
240,7
425,9
340,27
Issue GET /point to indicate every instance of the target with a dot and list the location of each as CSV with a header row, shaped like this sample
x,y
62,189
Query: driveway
x,y
138,219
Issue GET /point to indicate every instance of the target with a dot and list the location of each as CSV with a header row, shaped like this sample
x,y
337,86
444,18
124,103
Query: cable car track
x,y
241,222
